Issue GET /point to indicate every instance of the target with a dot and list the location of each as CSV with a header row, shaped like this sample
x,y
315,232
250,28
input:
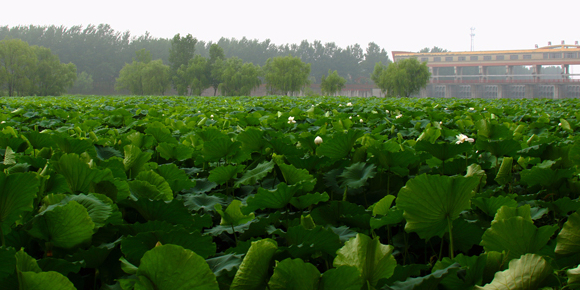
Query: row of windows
x,y
551,55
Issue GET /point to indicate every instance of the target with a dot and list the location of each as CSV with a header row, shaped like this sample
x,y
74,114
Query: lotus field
x,y
289,193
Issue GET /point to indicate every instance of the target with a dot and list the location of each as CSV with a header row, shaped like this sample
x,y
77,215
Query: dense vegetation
x,y
288,193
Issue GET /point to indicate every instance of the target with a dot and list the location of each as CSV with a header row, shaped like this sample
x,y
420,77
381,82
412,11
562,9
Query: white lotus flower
x,y
472,109
399,116
340,105
387,111
211,116
290,118
317,140
349,104
559,124
361,120
462,138
350,117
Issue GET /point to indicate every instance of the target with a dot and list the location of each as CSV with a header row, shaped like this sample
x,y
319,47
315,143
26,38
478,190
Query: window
x,y
499,57
570,55
461,58
514,56
487,57
448,58
527,56
546,55
555,55
423,59
438,58
474,57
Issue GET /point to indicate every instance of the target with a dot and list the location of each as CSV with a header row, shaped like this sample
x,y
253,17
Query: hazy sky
x,y
393,25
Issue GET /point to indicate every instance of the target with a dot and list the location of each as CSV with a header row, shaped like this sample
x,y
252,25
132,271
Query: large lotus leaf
x,y
294,176
223,174
173,267
151,185
252,139
175,151
525,273
492,131
339,213
294,274
430,201
504,174
195,202
105,153
66,226
134,247
99,209
340,144
383,205
17,193
74,145
25,263
574,277
490,205
94,256
224,264
59,265
175,177
141,140
160,132
388,155
393,216
173,212
79,175
426,282
475,170
341,278
252,176
516,236
7,256
233,214
282,146
356,175
134,160
115,189
499,148
373,259
39,140
219,148
210,133
443,150
45,281
276,198
304,201
465,234
253,272
544,176
473,267
304,242
568,240
506,212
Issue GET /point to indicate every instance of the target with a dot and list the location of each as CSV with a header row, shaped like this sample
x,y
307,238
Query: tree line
x,y
100,53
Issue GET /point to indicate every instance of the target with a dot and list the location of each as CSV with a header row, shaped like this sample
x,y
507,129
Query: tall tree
x,y
216,57
402,78
144,76
286,74
199,73
180,53
332,84
51,77
17,66
238,78
373,55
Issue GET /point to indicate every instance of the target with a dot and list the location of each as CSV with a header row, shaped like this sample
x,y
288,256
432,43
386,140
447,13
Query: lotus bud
x,y
318,140
349,104
361,120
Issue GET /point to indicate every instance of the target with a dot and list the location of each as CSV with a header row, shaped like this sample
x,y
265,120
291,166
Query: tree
x,y
286,74
144,76
180,53
214,66
199,73
435,49
83,84
52,78
238,78
332,84
402,78
373,55
17,63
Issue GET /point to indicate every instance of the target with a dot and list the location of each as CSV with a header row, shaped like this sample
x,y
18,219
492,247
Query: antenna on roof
x,y
472,36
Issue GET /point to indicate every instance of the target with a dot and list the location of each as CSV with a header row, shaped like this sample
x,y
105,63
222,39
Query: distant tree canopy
x,y
332,84
402,78
32,70
435,49
144,76
286,75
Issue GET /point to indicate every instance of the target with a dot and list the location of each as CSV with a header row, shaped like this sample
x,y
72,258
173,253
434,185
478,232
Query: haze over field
x,y
393,25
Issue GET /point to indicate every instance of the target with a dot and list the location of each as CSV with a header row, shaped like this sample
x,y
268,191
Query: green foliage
x,y
180,54
332,84
402,78
144,76
286,74
237,78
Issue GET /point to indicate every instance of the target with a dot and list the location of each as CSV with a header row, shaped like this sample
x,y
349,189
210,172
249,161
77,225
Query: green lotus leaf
x,y
141,140
276,198
173,212
393,216
160,132
73,145
252,139
45,281
105,153
100,209
341,278
173,267
94,256
79,175
17,193
282,146
492,131
233,214
490,205
223,174
223,264
382,206
25,263
195,202
373,259
175,177
295,176
516,236
252,176
294,274
504,174
304,201
9,156
175,151
475,170
573,277
527,272
544,176
219,148
356,175
253,271
506,212
66,226
568,240
465,234
340,144
426,282
431,202
39,140
151,185
134,247
304,242
134,160
443,150
59,265
7,256
499,148
473,267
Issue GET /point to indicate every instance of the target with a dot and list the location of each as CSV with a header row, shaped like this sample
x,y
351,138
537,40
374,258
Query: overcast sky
x,y
393,25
